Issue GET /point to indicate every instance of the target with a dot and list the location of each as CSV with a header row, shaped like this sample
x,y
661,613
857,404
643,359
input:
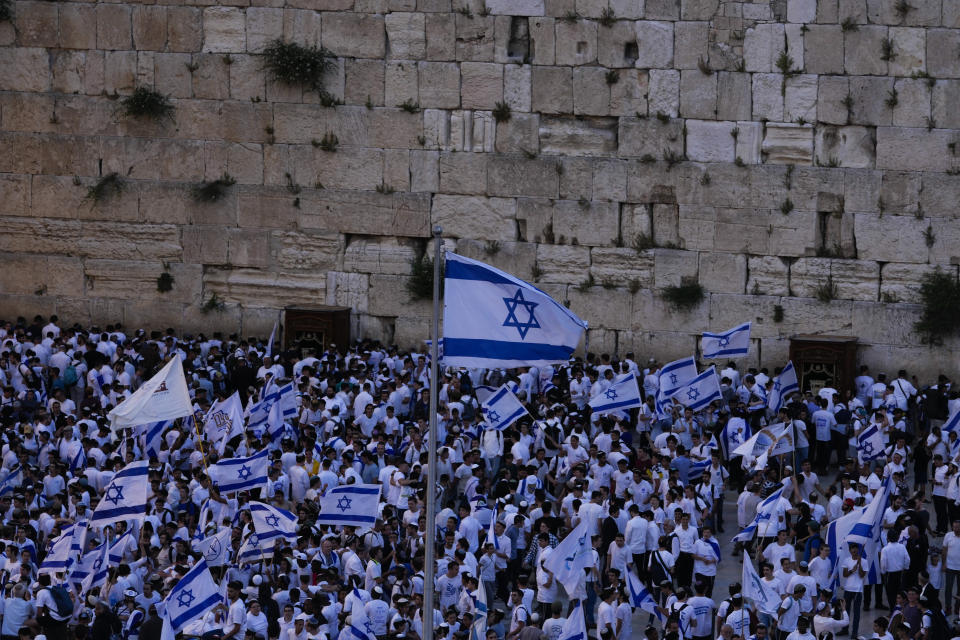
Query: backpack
x,y
675,615
61,598
70,376
939,629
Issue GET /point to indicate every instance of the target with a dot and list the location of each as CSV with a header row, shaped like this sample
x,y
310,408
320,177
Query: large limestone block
x,y
137,280
535,220
613,44
691,40
672,268
354,35
941,43
749,141
481,85
823,49
945,237
519,134
543,40
407,35
23,69
257,287
602,306
788,143
939,195
114,27
463,173
563,264
731,309
511,176
388,296
552,89
224,30
441,36
576,42
629,95
655,44
698,94
348,290
400,83
900,191
899,282
517,258
440,88
832,93
576,178
768,96
801,11
263,26
649,136
868,109
402,214
904,148
944,99
800,101
910,44
913,104
738,231
723,272
832,317
854,279
630,9
666,225
733,96
635,221
709,141
697,226
623,267
517,86
590,223
204,244
664,97
880,322
476,217
78,26
591,93
862,51
845,146
652,312
890,238
610,180
768,275
91,239
15,195
762,46
516,7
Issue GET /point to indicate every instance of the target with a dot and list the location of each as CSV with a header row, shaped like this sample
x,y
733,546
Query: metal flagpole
x,y
430,493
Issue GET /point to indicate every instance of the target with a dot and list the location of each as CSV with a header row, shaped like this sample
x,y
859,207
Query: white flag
x,y
774,440
162,397
273,334
622,395
729,344
216,548
502,409
568,560
355,505
764,596
224,421
125,498
492,319
575,626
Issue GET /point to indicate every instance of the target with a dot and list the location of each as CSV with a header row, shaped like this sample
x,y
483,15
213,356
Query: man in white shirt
x,y
635,535
894,560
235,624
951,556
852,574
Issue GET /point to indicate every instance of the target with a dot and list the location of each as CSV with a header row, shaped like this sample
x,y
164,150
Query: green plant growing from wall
x,y
887,52
213,303
685,296
849,24
827,290
146,103
501,112
607,17
107,186
612,77
420,284
940,300
164,281
214,190
6,10
293,64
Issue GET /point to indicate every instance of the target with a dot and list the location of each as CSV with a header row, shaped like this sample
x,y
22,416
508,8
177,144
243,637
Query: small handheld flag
x,y
622,395
502,409
241,474
125,498
729,344
783,385
699,392
355,505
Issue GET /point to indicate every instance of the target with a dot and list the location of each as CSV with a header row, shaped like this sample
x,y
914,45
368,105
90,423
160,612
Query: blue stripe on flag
x,y
475,347
354,518
358,490
458,270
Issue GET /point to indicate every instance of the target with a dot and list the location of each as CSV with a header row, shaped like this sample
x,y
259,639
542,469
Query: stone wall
x,y
763,149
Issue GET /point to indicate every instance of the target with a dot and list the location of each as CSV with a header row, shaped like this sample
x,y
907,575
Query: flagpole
x,y
429,494
203,455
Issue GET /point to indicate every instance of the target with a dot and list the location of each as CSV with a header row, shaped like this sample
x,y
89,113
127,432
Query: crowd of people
x,y
651,484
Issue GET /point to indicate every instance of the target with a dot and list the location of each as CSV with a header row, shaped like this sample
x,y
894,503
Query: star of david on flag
x,y
502,409
672,376
125,497
622,395
699,392
493,319
870,443
729,344
783,385
356,505
241,474
194,595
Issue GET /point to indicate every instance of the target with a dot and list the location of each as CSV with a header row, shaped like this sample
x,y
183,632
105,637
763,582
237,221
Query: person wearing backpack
x,y
934,625
54,609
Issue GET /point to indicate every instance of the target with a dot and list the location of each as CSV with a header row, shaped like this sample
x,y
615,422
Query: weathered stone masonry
x,y
738,141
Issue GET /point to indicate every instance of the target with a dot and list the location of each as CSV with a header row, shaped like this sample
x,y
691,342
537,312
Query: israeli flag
x,y
216,548
729,344
125,498
569,558
870,445
501,409
783,385
119,546
360,626
867,530
11,481
64,550
269,349
86,565
79,460
492,319
483,391
775,440
241,474
674,375
734,433
697,468
97,576
640,597
491,534
354,505
193,595
837,536
698,393
575,627
153,437
952,424
272,522
622,395
765,512
764,596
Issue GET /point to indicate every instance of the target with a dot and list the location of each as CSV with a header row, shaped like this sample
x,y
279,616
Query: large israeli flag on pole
x,y
492,319
640,597
729,344
952,423
870,444
622,395
765,512
699,392
783,385
764,596
241,474
355,505
569,558
867,530
125,498
502,409
64,550
194,595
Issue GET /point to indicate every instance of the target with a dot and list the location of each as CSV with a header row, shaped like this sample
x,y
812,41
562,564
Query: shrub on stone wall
x,y
294,64
940,297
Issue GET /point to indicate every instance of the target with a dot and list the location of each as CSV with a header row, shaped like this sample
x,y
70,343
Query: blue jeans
x,y
854,601
590,605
